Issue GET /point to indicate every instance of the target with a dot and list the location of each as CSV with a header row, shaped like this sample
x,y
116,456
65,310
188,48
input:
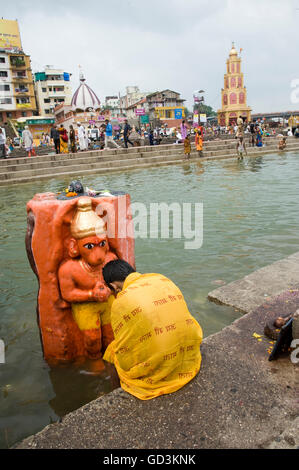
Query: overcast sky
x,y
157,44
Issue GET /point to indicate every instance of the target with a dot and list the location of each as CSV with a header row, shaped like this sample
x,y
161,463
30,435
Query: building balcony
x,y
24,105
53,83
19,77
56,94
21,91
17,62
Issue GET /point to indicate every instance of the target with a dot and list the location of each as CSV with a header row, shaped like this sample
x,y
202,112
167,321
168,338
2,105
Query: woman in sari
x,y
199,141
73,139
63,139
259,137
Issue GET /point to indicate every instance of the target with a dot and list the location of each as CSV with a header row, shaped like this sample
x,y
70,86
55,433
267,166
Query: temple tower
x,y
234,94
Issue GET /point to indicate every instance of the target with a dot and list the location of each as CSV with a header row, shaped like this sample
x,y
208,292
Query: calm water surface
x,y
251,219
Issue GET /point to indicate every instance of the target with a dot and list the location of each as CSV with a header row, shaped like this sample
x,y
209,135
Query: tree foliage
x,y
205,109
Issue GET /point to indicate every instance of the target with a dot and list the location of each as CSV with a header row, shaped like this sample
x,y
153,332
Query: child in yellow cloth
x,y
198,142
187,147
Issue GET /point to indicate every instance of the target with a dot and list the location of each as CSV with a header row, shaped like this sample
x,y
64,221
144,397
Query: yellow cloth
x,y
91,315
63,146
156,346
199,143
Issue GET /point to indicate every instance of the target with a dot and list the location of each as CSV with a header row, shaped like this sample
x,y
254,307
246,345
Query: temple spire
x,y
81,74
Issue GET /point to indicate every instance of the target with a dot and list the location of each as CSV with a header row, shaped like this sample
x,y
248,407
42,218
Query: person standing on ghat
x,y
184,130
127,130
73,139
28,141
82,137
55,135
2,144
156,346
108,135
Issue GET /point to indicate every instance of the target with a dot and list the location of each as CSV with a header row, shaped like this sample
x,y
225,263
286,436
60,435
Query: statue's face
x,y
93,249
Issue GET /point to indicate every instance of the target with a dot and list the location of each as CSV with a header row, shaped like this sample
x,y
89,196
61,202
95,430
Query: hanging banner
x,y
178,113
140,111
10,38
203,118
144,119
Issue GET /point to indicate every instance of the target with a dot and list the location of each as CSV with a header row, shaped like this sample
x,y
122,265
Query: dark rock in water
x,y
76,187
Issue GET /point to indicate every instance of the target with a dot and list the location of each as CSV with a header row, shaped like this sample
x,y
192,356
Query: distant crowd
x,y
81,138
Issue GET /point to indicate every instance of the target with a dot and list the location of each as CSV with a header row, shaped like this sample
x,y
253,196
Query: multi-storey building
x,y
17,97
133,94
166,106
112,104
52,88
112,101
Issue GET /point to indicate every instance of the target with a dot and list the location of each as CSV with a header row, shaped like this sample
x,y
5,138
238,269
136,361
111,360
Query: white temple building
x,y
84,99
84,108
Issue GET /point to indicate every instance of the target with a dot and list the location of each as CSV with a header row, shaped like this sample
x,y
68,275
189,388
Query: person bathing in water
x,y
241,148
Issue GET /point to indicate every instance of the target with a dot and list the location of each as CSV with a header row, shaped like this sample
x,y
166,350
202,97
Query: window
x,y
24,114
233,98
50,88
2,60
60,100
4,88
3,73
47,100
22,100
21,88
9,115
241,98
5,101
47,111
44,90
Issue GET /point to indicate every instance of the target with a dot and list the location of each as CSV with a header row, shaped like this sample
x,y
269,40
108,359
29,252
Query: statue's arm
x,y
69,291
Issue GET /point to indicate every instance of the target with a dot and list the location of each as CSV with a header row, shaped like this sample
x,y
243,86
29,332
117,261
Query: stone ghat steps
x,y
87,158
96,162
137,163
208,146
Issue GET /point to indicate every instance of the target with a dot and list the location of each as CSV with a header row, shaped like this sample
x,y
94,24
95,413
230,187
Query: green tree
x,y
187,112
205,109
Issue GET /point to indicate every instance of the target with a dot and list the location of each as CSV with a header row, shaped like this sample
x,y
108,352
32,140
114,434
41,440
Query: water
x,y
250,220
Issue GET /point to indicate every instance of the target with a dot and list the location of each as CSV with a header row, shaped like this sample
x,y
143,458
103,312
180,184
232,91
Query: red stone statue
x,y
68,244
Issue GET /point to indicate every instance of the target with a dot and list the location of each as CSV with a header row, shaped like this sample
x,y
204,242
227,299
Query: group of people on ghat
x,y
257,132
79,137
185,138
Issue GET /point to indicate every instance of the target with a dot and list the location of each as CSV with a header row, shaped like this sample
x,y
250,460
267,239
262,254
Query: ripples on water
x,y
250,220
